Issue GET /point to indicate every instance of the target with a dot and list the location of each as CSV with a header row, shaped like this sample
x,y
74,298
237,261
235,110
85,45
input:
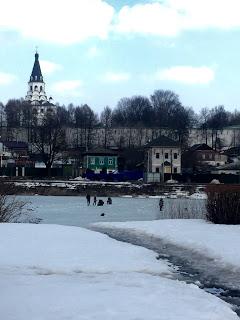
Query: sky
x,y
96,51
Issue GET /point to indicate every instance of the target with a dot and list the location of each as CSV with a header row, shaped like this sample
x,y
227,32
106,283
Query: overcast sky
x,y
95,51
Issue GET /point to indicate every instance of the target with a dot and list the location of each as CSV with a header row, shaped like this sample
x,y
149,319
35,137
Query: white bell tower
x,y
36,87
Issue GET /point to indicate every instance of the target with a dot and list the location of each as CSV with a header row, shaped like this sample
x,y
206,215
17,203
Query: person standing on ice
x,y
88,197
161,204
109,201
94,201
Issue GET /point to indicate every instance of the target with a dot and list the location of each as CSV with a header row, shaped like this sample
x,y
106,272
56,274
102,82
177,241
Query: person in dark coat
x,y
109,201
100,203
95,201
88,197
161,204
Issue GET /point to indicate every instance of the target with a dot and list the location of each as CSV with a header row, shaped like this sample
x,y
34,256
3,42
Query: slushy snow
x,y
50,272
219,242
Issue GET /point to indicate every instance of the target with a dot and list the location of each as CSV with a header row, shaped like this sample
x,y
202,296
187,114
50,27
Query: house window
x,y
110,161
166,155
174,170
203,156
175,155
101,161
157,169
92,160
157,155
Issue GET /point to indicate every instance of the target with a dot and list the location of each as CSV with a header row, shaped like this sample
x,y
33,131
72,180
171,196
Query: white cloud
x,y
116,76
207,13
66,22
170,17
6,78
93,52
68,88
150,18
55,21
187,74
49,67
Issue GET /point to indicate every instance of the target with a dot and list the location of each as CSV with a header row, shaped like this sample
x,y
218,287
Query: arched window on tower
x,y
35,88
31,88
40,88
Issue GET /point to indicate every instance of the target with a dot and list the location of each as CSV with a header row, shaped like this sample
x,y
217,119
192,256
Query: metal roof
x,y
36,75
162,141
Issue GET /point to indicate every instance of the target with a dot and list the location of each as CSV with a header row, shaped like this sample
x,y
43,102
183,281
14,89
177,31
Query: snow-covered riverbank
x,y
105,188
57,272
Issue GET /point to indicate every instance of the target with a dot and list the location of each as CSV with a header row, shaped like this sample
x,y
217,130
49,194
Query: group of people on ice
x,y
98,203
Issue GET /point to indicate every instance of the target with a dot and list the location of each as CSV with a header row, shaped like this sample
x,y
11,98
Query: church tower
x,y
36,94
36,87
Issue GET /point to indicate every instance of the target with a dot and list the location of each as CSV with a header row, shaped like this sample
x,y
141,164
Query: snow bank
x,y
198,195
58,273
60,249
220,242
171,181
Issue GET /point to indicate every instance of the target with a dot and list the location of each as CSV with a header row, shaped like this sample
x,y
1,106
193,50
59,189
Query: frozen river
x,y
75,212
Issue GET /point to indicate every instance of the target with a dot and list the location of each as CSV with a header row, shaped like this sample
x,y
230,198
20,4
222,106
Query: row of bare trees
x,y
163,109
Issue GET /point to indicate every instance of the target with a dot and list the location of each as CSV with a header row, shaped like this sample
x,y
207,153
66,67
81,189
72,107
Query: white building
x,y
162,156
36,94
5,156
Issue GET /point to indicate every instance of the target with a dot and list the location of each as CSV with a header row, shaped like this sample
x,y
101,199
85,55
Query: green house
x,y
100,159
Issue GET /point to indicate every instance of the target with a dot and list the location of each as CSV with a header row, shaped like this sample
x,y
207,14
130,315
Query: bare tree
x,y
218,118
204,125
13,110
133,112
106,121
50,139
164,102
85,120
13,209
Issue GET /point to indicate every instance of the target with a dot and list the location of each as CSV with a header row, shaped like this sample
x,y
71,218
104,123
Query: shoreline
x,y
98,188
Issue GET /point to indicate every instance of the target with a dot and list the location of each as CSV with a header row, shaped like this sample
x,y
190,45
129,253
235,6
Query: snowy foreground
x,y
50,272
219,242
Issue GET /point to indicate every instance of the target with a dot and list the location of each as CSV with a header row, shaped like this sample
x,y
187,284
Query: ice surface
x,y
67,210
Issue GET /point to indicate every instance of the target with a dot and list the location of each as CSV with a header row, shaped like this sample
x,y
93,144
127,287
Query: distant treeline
x,y
162,109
